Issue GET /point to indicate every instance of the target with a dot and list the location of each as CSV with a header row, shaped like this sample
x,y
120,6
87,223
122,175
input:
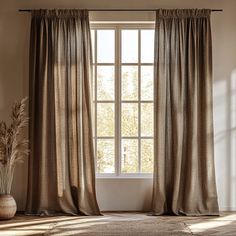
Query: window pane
x,y
129,46
147,155
129,119
105,119
105,83
105,46
146,83
93,43
93,84
147,46
93,98
129,83
105,156
146,119
129,162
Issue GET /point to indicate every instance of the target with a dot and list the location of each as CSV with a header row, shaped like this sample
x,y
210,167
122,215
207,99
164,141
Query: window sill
x,y
124,177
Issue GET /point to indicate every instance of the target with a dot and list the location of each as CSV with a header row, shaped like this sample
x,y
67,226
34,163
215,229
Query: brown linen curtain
x,y
61,168
184,175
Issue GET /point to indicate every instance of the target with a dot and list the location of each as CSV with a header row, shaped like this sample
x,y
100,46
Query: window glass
x,y
129,160
147,46
105,83
105,46
129,46
105,156
105,120
129,119
146,83
129,83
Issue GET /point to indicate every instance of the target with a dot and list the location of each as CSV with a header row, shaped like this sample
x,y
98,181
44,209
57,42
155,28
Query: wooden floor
x,y
121,224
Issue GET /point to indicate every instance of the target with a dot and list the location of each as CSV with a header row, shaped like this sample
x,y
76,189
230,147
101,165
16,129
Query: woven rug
x,y
116,226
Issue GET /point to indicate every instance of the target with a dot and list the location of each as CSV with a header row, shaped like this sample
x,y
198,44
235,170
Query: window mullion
x,y
117,102
139,98
95,94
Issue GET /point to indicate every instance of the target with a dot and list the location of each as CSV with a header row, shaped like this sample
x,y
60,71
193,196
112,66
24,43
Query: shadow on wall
x,y
225,140
14,51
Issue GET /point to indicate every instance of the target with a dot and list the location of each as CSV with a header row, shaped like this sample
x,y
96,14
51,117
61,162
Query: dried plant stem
x,y
13,146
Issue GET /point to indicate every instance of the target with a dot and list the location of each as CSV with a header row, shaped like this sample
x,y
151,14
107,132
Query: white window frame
x,y
118,26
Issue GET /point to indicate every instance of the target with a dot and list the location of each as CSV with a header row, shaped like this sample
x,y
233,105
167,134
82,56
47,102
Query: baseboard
x,y
227,208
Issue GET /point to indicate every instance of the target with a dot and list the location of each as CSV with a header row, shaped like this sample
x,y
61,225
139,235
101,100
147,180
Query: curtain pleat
x,y
61,164
184,174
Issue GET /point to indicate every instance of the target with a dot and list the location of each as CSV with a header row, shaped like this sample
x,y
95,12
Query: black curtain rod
x,y
29,10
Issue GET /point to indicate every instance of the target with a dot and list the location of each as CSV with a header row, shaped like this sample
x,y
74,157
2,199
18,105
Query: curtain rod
x,y
29,10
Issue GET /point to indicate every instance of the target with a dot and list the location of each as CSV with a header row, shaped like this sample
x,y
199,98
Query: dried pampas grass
x,y
13,145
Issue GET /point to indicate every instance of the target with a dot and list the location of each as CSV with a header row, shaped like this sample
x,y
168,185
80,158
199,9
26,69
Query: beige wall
x,y
132,194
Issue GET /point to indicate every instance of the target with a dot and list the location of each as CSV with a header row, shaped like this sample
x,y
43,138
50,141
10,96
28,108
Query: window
x,y
123,58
